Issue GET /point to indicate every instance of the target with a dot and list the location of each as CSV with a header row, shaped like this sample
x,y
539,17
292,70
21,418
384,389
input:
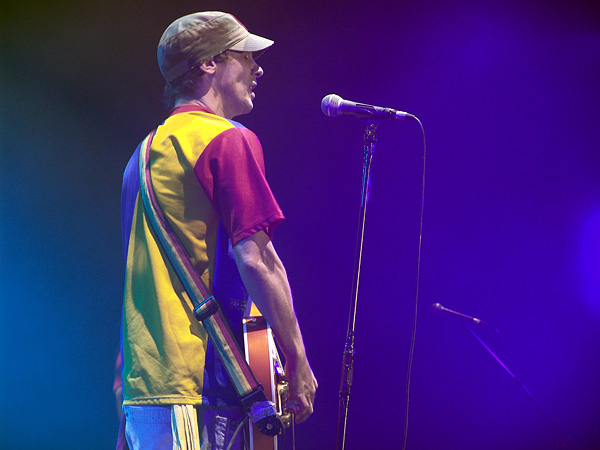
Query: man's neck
x,y
205,102
182,101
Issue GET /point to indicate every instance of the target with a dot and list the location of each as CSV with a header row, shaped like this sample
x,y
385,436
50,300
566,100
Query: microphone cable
x,y
414,323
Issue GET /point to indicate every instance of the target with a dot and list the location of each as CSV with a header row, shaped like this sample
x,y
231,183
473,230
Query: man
x,y
208,176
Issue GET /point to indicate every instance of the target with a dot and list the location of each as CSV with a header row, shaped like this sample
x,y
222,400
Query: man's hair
x,y
186,84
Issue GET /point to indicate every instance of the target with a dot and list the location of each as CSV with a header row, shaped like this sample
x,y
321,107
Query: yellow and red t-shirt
x,y
207,173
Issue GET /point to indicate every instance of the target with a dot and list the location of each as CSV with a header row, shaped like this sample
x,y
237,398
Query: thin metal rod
x,y
348,358
564,440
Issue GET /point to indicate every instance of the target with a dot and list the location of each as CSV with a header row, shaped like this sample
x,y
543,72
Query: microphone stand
x,y
369,140
563,440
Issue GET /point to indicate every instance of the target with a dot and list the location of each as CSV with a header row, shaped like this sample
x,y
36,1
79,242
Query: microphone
x,y
436,308
333,105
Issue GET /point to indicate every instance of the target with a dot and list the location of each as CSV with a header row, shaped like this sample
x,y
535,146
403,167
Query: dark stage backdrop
x,y
508,92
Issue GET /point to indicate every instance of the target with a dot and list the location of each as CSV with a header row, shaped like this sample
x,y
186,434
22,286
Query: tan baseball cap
x,y
197,37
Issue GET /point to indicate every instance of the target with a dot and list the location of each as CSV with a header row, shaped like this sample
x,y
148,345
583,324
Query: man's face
x,y
235,81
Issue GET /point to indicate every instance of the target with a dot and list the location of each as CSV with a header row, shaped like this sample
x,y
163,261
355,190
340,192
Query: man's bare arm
x,y
266,280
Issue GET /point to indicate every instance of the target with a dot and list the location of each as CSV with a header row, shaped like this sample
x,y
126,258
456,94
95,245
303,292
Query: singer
x,y
208,176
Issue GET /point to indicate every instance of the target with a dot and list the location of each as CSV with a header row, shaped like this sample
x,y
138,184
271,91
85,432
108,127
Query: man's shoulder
x,y
236,124
236,136
234,144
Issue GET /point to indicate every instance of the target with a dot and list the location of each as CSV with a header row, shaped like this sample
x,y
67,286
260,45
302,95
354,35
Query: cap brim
x,y
252,43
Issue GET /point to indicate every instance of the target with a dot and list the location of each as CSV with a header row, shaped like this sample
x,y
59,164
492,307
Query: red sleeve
x,y
232,173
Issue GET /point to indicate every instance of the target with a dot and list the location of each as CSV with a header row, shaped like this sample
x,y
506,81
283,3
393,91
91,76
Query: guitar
x,y
263,359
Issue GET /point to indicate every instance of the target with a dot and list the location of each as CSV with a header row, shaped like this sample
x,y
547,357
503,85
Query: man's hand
x,y
302,388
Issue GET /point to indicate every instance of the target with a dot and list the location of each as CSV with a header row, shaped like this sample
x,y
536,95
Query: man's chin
x,y
241,113
247,108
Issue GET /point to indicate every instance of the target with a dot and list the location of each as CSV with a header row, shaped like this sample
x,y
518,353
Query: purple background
x,y
508,92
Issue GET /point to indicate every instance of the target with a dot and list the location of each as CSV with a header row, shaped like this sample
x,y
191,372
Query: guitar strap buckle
x,y
262,412
206,309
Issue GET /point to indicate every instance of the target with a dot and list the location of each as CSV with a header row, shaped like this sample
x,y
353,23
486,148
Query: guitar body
x,y
263,359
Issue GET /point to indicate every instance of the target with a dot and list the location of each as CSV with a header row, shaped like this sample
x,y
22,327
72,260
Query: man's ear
x,y
209,66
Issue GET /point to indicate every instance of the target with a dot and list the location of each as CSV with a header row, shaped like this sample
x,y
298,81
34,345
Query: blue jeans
x,y
150,428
